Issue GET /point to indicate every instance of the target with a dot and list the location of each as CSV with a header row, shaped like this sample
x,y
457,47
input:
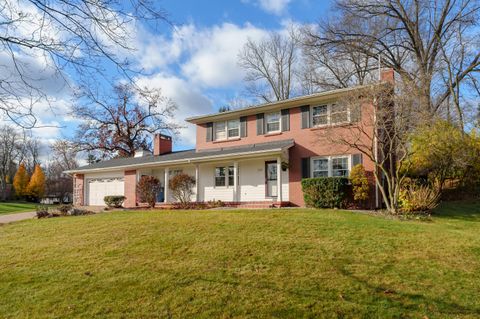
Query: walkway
x,y
5,219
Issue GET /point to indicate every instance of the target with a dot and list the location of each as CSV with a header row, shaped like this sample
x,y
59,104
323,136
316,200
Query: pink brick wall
x,y
309,142
78,189
130,184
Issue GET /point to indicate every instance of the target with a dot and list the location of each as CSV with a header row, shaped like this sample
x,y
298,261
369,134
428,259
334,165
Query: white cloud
x,y
190,101
276,7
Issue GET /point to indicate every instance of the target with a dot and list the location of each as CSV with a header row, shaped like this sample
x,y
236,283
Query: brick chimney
x,y
387,75
162,144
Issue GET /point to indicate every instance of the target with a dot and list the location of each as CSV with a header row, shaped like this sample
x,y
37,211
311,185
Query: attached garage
x,y
98,188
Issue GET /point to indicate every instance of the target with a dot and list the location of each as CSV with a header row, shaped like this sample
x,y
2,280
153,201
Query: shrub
x,y
42,211
64,209
182,187
215,203
80,212
325,192
148,188
115,201
360,187
414,198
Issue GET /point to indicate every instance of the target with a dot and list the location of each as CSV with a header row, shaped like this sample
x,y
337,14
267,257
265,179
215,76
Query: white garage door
x,y
98,188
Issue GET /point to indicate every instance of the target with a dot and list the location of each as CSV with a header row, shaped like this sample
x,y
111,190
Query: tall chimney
x,y
387,75
162,144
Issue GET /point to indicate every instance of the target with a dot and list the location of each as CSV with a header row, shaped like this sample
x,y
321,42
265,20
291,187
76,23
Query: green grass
x,y
270,263
16,207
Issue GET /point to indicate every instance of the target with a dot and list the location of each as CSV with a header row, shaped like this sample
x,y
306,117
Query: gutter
x,y
180,161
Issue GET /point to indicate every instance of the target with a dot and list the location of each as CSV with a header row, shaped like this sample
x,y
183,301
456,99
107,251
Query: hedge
x,y
325,192
114,200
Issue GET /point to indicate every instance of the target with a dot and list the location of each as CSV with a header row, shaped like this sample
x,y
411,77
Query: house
x,y
250,157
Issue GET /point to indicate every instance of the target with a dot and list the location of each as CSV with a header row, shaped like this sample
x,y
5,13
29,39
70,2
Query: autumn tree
x,y
432,46
148,188
20,181
43,41
118,124
360,185
36,185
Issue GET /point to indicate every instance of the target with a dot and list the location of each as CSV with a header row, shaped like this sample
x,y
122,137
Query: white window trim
x,y
279,123
226,130
330,168
226,176
329,116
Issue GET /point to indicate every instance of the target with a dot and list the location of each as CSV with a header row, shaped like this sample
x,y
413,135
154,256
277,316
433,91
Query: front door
x,y
271,178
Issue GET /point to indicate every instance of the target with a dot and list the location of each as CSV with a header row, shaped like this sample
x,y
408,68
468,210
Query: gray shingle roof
x,y
186,155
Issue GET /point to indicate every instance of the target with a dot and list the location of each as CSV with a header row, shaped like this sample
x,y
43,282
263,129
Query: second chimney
x,y
162,144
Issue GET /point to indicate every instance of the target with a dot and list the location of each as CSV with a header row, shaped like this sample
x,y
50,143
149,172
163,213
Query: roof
x,y
332,94
188,156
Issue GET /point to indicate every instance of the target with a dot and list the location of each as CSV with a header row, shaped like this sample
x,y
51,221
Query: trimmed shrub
x,y
115,201
182,187
148,188
325,192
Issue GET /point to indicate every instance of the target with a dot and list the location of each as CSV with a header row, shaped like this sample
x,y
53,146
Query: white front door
x,y
98,188
271,178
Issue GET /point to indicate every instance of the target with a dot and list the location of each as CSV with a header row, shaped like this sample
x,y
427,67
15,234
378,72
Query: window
x,y
227,129
339,114
320,167
224,176
320,115
273,122
332,166
175,172
340,166
330,114
233,127
220,132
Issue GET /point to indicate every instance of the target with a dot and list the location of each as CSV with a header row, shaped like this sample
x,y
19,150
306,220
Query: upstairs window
x,y
330,114
272,121
224,176
227,129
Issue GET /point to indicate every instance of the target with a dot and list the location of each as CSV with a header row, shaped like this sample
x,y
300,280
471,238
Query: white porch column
x,y
279,179
197,183
165,190
235,182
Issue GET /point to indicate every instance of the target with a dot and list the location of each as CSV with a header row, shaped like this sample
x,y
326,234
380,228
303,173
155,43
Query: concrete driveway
x,y
5,219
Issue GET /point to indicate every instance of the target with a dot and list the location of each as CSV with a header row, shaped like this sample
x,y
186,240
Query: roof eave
x,y
183,161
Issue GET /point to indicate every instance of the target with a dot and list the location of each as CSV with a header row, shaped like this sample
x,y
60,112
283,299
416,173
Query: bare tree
x,y
41,41
270,66
408,36
9,153
381,134
121,123
29,151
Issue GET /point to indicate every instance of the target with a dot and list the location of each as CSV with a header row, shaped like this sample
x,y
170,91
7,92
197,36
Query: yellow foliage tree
x,y
20,181
36,186
359,180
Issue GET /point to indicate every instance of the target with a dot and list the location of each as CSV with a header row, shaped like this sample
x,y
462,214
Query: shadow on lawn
x,y
412,301
462,210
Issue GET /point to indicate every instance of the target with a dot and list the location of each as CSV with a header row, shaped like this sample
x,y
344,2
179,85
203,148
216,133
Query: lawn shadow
x,y
461,210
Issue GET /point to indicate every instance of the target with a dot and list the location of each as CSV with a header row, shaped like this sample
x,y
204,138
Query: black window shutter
x,y
209,131
285,120
243,126
305,116
306,167
356,159
260,124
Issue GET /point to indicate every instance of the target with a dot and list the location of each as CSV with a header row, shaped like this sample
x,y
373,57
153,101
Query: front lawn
x,y
16,207
266,263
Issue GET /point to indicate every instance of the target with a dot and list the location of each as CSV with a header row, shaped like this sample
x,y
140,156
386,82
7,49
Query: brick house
x,y
250,157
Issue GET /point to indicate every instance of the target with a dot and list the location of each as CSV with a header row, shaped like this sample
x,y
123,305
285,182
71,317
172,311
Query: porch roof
x,y
188,156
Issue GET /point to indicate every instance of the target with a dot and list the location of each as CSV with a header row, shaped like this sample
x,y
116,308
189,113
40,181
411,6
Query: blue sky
x,y
195,63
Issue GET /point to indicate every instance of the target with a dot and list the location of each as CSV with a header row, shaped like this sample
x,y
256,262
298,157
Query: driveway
x,y
5,219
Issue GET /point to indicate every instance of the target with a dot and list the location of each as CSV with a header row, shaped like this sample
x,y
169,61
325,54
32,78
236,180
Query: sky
x,y
195,62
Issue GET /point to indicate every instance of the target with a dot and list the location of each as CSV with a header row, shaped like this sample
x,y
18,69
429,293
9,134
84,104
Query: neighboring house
x,y
255,156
